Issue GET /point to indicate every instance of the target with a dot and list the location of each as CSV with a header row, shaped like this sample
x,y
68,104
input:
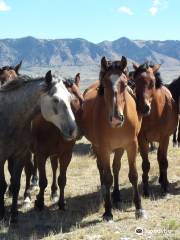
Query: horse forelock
x,y
112,66
142,68
60,89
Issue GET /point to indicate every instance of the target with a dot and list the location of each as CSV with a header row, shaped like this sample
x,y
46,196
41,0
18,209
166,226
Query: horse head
x,y
114,82
56,107
145,84
9,73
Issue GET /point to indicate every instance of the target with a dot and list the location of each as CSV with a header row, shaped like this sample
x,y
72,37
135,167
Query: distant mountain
x,y
41,52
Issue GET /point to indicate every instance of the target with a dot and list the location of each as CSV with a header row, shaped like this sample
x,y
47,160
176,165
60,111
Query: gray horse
x,y
20,101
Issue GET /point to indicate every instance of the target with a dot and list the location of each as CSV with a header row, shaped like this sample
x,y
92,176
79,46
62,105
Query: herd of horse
x,y
122,111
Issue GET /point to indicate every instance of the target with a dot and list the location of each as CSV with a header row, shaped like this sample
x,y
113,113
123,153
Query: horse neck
x,y
23,103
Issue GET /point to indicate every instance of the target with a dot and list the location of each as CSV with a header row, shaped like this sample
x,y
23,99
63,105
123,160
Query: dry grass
x,y
82,219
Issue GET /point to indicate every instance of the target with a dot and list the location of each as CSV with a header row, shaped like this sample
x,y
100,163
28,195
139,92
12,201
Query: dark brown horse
x,y
72,84
48,142
174,88
158,124
9,73
111,123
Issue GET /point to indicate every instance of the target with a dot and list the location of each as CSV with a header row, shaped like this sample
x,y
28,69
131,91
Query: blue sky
x,y
94,20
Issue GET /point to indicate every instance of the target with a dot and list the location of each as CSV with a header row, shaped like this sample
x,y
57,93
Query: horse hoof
x,y
146,193
1,218
27,202
140,213
116,197
54,198
34,182
165,193
39,205
62,206
165,189
14,220
14,217
107,217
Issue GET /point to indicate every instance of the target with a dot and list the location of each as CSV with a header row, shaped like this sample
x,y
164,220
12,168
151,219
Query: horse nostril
x,y
121,118
146,108
71,131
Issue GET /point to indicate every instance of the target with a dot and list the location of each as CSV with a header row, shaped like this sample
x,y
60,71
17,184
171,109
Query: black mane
x,y
142,68
6,68
159,81
174,88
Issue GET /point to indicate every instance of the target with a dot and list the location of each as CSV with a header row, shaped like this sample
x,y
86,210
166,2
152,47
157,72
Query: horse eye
x,y
55,100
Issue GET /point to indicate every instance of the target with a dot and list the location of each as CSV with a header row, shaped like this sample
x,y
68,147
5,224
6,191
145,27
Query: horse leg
x,y
10,169
3,186
28,172
178,138
107,183
163,163
100,168
54,166
133,178
41,162
143,148
116,168
16,177
174,138
34,180
64,161
99,164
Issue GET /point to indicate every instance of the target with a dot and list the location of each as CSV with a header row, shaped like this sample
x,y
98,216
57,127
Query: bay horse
x,y
20,101
111,123
47,141
159,121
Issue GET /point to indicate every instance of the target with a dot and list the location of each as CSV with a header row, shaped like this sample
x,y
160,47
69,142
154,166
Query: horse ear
x,y
48,77
104,64
156,67
17,67
135,66
77,79
123,62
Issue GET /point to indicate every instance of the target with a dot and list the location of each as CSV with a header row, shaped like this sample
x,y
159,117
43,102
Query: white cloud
x,y
125,10
157,5
4,7
156,2
153,10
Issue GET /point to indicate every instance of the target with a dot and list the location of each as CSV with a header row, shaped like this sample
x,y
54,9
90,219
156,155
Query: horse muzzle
x,y
117,122
146,109
70,134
